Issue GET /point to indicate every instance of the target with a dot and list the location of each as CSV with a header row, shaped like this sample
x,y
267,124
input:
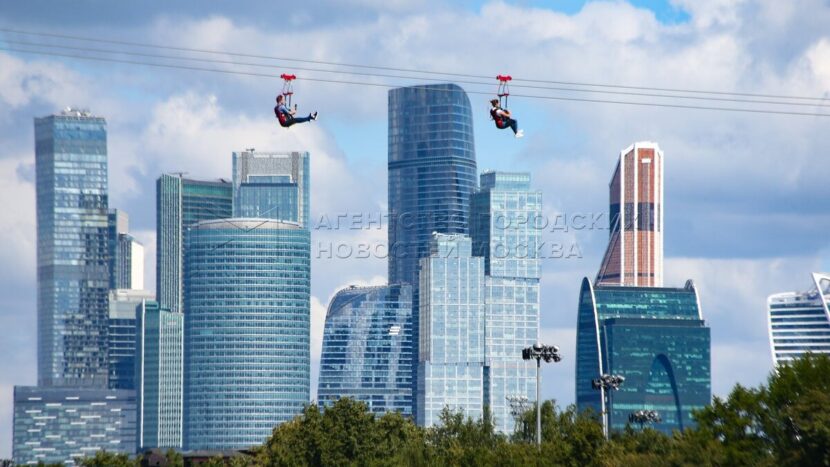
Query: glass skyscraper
x,y
122,336
160,375
180,203
126,254
503,229
432,174
653,336
367,348
59,424
432,171
799,322
72,249
451,350
247,354
271,185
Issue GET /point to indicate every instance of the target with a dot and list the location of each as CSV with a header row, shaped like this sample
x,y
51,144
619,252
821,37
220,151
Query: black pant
x,y
507,122
290,120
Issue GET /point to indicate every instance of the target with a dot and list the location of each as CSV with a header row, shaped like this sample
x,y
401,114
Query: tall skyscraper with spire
x,y
634,256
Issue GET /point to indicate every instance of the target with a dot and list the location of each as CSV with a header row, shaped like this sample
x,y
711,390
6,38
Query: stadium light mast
x,y
607,383
539,352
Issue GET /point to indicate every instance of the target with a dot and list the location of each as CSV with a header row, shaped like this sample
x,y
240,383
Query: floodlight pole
x,y
550,354
607,383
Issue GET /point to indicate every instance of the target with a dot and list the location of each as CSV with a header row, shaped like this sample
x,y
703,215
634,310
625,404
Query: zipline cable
x,y
357,83
381,75
432,72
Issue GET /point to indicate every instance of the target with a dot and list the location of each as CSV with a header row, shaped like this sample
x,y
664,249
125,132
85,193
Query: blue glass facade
x,y
121,336
367,348
799,322
247,354
432,171
432,174
72,249
160,376
653,336
271,185
503,230
451,349
57,425
180,203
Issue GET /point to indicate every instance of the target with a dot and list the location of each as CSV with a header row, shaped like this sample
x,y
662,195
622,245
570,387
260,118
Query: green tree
x,y
796,403
107,459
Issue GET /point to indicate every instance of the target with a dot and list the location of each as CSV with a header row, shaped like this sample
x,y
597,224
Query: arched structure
x,y
653,336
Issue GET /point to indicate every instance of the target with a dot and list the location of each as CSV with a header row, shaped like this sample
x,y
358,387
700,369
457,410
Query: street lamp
x,y
518,407
605,383
539,352
641,417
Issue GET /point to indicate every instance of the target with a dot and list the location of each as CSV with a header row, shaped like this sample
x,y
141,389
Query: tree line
x,y
784,422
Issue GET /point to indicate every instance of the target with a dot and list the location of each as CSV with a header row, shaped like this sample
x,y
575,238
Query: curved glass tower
x,y
432,174
247,354
367,347
653,336
799,322
432,171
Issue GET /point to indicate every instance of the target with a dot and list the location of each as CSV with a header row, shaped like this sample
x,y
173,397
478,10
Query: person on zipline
x,y
503,119
286,115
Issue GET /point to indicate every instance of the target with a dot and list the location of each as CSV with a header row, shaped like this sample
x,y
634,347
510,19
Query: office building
x,y
656,338
431,176
799,322
451,350
60,424
271,185
72,249
121,336
503,228
160,377
180,203
367,348
247,325
634,256
126,254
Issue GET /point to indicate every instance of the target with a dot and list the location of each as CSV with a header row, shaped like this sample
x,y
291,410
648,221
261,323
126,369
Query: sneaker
x,y
520,134
313,115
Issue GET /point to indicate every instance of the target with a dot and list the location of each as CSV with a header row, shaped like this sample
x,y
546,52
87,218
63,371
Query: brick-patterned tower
x,y
635,257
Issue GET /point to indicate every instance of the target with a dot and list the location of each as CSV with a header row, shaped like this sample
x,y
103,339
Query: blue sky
x,y
745,215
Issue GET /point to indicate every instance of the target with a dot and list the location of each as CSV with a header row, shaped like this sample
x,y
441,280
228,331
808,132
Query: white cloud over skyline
x,y
744,210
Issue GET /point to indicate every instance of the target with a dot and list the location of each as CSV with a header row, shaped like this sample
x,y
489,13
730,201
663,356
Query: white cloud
x,y
23,81
17,237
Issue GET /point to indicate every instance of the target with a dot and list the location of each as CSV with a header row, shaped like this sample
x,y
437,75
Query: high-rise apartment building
x,y
799,322
247,330
271,185
367,348
160,374
180,203
503,228
72,249
451,350
656,338
634,256
432,174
